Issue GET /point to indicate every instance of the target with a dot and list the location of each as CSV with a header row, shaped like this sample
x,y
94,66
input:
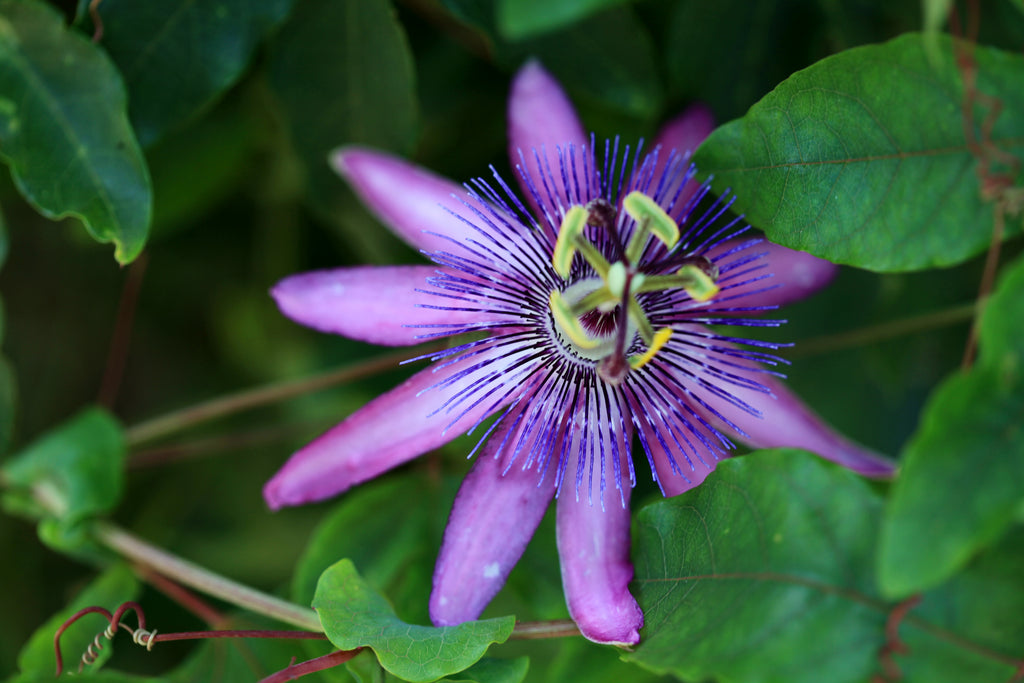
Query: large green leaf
x,y
862,157
519,19
344,75
353,615
963,472
764,574
178,56
64,130
115,586
68,476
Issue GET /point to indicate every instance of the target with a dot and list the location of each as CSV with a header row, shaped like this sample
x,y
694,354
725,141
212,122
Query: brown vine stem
x,y
260,396
883,331
536,630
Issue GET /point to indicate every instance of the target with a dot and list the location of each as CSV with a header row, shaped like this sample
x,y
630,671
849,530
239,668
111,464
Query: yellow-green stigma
x,y
597,318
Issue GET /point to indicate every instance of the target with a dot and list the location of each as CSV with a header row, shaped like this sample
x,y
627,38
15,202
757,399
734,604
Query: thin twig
x,y
883,331
261,396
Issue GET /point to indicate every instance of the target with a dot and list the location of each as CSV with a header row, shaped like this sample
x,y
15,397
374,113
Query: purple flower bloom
x,y
588,304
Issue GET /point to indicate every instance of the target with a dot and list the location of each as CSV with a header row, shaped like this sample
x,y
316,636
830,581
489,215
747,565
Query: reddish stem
x,y
184,597
293,671
117,356
237,633
893,644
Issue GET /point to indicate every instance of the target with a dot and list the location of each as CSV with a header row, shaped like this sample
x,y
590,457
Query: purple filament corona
x,y
562,407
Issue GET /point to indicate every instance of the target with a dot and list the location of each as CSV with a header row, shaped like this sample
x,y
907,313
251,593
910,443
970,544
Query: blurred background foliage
x,y
235,106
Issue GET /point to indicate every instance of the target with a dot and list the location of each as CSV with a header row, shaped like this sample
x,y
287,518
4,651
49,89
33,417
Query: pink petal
x,y
593,546
786,422
540,118
410,200
380,305
491,523
688,130
780,277
390,430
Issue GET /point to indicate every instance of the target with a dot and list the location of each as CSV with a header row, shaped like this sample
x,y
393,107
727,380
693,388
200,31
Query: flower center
x,y
598,318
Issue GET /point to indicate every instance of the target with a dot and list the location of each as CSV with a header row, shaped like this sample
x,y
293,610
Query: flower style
x,y
588,304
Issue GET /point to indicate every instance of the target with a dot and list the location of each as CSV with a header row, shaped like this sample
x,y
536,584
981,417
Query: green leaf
x,y
179,56
343,73
490,670
763,573
64,131
962,476
966,630
354,616
862,159
519,19
394,545
111,588
68,476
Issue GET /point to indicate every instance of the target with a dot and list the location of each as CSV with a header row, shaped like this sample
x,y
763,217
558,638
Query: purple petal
x,y
684,134
374,304
491,523
540,118
780,277
688,130
694,460
593,546
410,200
388,431
786,422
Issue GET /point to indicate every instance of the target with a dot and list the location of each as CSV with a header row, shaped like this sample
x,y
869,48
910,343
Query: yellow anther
x,y
650,219
573,223
568,324
661,338
700,286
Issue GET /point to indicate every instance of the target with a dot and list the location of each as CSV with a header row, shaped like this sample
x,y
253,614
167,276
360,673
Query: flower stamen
x,y
570,239
608,303
650,219
660,339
